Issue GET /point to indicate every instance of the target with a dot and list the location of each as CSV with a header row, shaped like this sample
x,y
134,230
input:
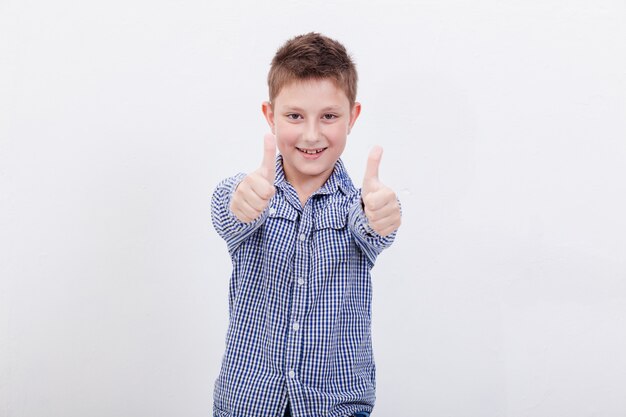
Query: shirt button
x,y
300,281
302,237
272,210
296,326
292,374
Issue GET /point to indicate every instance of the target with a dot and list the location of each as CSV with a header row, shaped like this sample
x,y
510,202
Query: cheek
x,y
286,134
282,147
284,141
337,132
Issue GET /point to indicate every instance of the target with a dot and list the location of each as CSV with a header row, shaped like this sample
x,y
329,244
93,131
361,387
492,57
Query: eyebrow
x,y
298,109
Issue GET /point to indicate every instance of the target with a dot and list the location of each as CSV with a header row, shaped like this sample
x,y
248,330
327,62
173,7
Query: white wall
x,y
504,130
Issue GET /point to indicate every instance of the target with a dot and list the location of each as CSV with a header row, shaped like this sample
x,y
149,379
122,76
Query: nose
x,y
311,134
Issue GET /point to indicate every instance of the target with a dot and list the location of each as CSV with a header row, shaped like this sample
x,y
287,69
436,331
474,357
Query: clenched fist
x,y
379,201
254,192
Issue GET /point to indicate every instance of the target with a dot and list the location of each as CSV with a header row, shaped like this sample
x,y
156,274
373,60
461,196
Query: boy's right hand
x,y
254,192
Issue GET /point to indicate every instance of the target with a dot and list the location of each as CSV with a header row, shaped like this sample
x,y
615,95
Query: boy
x,y
303,240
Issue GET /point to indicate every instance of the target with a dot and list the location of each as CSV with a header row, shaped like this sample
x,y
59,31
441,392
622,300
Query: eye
x,y
329,116
294,116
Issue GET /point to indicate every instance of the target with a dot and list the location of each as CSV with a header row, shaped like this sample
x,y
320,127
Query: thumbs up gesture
x,y
254,192
379,201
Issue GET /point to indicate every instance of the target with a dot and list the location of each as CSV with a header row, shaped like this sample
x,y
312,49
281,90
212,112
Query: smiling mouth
x,y
311,151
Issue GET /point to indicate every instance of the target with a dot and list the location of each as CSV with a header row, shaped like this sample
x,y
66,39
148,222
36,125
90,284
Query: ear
x,y
268,112
354,114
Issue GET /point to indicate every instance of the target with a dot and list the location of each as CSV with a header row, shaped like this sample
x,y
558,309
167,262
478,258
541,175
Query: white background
x,y
504,130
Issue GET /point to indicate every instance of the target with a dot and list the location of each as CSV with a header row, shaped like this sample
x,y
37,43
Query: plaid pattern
x,y
299,303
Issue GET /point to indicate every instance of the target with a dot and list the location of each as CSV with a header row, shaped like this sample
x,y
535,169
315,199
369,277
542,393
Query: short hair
x,y
312,56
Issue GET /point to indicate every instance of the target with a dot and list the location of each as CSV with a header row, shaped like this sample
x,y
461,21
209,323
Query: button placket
x,y
300,270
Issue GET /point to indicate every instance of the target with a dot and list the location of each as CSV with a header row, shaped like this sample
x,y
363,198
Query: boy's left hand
x,y
379,201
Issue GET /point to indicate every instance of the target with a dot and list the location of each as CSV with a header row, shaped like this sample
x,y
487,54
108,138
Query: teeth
x,y
311,151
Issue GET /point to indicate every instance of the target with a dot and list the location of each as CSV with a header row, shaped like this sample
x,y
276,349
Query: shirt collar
x,y
339,179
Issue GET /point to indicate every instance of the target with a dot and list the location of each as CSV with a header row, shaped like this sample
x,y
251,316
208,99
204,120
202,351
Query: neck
x,y
305,186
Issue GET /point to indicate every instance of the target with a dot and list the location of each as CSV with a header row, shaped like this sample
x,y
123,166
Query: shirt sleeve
x,y
370,242
227,225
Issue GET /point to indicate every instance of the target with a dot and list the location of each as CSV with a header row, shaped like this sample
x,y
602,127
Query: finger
x,y
391,225
389,230
239,214
377,199
386,226
248,212
268,165
256,202
388,210
238,204
261,187
373,162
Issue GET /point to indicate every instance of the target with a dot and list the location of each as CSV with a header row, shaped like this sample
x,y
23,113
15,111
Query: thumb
x,y
373,162
268,166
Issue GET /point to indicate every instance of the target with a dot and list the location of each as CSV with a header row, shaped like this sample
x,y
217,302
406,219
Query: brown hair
x,y
312,56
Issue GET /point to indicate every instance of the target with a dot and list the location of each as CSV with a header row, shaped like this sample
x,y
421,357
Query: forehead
x,y
311,93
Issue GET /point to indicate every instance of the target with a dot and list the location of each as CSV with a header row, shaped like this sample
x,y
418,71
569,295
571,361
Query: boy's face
x,y
311,120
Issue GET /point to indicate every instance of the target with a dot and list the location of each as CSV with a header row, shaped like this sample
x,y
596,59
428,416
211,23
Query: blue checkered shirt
x,y
299,303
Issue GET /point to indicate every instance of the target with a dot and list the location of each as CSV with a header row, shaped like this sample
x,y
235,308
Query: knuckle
x,y
267,192
369,201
